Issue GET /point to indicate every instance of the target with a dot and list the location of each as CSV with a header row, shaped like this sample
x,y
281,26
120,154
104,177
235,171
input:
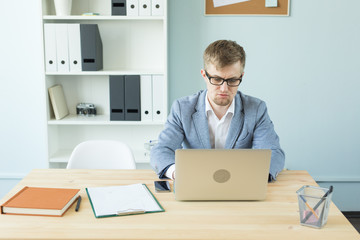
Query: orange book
x,y
40,201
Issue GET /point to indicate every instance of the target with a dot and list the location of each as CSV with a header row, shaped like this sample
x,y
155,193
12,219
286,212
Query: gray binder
x,y
91,47
118,7
117,98
132,98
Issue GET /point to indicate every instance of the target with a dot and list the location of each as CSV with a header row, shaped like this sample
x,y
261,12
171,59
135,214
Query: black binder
x,y
132,98
117,97
91,47
118,7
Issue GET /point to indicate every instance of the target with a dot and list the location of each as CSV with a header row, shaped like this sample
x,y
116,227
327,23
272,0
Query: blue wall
x,y
304,66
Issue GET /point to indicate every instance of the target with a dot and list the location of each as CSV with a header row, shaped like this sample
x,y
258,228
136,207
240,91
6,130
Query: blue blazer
x,y
187,127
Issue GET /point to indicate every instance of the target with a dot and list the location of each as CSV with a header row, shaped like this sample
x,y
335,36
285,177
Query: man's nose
x,y
224,87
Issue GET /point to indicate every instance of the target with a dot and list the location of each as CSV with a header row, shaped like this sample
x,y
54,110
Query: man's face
x,y
222,95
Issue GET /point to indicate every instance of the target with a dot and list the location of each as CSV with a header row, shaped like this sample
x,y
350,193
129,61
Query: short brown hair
x,y
223,53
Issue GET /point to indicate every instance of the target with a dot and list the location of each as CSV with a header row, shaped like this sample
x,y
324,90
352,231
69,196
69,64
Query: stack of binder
x,y
125,98
137,7
137,98
72,47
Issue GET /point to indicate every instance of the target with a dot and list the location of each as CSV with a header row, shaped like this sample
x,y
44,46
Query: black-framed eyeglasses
x,y
218,81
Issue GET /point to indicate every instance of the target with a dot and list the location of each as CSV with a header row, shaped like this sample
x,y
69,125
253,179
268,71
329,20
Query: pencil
x,y
311,209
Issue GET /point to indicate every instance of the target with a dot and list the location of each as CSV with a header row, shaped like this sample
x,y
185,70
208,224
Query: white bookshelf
x,y
131,46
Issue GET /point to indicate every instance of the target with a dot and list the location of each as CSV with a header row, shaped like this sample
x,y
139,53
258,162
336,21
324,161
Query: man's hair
x,y
223,53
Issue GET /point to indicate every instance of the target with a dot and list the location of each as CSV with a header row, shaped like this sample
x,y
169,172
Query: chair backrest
x,y
101,154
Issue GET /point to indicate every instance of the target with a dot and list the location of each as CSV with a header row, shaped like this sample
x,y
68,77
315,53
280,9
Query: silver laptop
x,y
221,174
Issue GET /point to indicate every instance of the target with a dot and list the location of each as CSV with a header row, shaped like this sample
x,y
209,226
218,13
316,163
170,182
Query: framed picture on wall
x,y
247,7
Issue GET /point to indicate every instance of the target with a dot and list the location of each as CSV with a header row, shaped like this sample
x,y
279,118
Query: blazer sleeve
x,y
163,153
265,137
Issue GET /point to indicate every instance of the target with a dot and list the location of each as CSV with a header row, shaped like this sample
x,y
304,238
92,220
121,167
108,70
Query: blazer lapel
x,y
201,123
236,123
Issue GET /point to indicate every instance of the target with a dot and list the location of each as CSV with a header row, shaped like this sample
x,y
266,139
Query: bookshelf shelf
x,y
107,73
99,120
97,18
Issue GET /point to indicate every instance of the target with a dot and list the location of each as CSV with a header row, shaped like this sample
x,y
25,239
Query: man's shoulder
x,y
250,105
187,105
191,100
249,101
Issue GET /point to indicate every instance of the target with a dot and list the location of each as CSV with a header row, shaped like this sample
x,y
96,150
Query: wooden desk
x,y
276,218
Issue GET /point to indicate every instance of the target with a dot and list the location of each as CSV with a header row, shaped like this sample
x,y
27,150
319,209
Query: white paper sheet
x,y
220,3
110,200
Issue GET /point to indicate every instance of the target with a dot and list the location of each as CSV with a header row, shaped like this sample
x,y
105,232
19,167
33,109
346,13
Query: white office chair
x,y
101,154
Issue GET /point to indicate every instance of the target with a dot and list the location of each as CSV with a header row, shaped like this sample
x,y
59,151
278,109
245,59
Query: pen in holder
x,y
314,203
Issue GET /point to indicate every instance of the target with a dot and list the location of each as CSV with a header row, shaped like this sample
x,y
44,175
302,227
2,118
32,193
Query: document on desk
x,y
122,200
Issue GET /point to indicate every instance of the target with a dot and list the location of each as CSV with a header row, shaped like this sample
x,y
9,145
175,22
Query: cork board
x,y
251,7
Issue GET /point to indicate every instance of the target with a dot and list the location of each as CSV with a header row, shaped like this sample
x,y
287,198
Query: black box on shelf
x,y
91,47
118,7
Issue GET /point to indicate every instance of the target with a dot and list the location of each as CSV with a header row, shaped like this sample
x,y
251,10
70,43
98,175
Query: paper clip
x,y
130,212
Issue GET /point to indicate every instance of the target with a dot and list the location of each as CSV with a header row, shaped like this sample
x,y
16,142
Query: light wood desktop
x,y
275,218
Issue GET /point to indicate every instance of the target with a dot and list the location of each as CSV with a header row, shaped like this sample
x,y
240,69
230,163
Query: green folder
x,y
113,201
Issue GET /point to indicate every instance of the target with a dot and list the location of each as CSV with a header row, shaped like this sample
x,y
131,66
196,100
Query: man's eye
x,y
218,79
232,80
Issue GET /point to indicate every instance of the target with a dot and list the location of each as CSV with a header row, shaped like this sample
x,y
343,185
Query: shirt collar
x,y
208,107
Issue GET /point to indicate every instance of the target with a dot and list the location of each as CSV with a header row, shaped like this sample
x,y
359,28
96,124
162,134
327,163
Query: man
x,y
219,117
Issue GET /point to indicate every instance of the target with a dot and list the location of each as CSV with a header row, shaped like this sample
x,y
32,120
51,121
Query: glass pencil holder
x,y
314,203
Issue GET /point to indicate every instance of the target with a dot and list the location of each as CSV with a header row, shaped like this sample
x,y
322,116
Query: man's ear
x,y
203,74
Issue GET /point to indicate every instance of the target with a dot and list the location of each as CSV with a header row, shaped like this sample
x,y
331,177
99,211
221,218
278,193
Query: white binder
x,y
132,8
146,98
158,98
157,7
50,47
62,47
145,7
74,47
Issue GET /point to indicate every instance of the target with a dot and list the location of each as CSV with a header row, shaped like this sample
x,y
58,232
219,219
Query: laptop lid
x,y
221,174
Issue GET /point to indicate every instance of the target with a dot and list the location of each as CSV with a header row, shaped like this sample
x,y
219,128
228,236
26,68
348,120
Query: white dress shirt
x,y
218,129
